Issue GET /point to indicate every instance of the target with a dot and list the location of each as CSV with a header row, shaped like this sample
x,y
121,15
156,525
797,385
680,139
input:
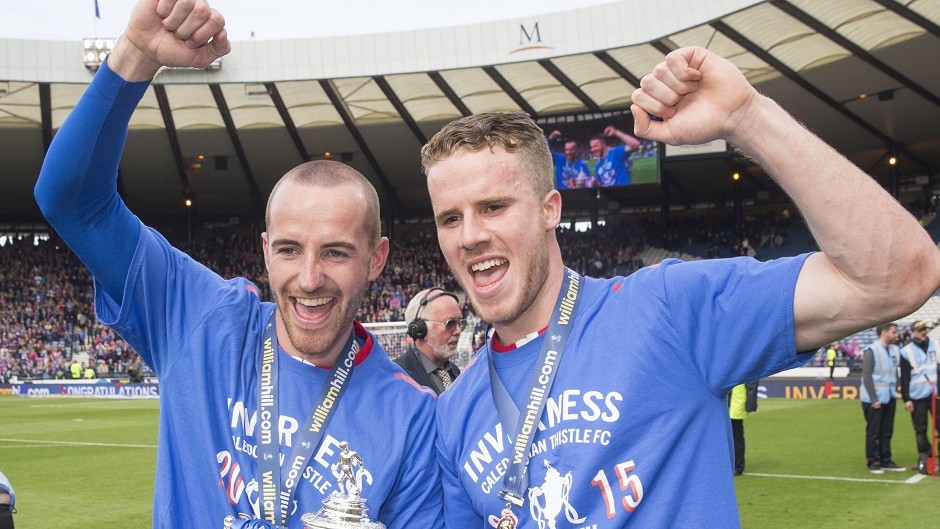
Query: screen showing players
x,y
601,153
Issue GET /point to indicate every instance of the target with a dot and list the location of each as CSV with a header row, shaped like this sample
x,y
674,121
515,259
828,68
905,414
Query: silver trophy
x,y
343,508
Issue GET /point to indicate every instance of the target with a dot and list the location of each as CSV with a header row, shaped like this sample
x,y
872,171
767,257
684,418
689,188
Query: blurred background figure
x,y
612,162
919,387
741,400
831,359
7,503
879,383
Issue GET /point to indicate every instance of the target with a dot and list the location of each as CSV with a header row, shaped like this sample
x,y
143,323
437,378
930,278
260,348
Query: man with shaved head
x,y
257,398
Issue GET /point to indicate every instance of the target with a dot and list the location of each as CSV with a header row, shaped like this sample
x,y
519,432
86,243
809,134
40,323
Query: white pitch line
x,y
910,481
915,478
74,443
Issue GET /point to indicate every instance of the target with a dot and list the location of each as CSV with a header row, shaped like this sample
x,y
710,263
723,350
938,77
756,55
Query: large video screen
x,y
603,152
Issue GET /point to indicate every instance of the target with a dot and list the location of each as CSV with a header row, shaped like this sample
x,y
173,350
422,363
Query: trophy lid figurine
x,y
343,508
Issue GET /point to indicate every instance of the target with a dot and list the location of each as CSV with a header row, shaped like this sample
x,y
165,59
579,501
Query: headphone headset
x,y
418,328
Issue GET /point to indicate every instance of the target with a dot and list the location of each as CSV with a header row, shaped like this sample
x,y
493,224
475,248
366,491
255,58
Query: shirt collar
x,y
426,363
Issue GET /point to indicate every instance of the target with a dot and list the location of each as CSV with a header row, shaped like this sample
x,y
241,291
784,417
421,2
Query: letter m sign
x,y
527,37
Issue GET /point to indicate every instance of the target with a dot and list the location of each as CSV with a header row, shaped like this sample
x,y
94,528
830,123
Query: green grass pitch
x,y
89,463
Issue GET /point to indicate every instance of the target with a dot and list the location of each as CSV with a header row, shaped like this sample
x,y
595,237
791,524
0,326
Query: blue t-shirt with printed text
x,y
635,431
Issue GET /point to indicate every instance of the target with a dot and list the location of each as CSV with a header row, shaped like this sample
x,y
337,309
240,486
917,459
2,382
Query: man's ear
x,y
264,246
551,209
379,258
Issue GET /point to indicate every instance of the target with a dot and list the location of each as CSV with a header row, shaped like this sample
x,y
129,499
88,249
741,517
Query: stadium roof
x,y
860,73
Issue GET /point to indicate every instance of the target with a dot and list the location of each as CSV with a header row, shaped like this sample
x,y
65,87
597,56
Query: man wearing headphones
x,y
434,324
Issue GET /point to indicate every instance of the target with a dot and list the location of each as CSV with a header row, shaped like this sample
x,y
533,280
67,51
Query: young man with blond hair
x,y
601,403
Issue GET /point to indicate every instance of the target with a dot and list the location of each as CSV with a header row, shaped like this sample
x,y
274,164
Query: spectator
x,y
89,371
102,369
76,369
135,371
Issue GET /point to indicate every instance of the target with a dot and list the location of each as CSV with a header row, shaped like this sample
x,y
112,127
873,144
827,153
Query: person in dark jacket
x,y
434,325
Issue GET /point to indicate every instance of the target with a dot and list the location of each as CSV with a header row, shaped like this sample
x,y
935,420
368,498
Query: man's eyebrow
x,y
341,244
482,203
444,214
284,242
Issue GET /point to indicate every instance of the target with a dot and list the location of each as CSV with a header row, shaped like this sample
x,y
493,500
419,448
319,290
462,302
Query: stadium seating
x,y
47,320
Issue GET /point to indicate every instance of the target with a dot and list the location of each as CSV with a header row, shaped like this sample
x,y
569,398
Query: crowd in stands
x,y
605,251
414,264
46,298
46,315
723,238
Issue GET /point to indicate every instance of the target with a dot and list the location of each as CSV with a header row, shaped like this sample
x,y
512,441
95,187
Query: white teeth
x,y
486,265
314,302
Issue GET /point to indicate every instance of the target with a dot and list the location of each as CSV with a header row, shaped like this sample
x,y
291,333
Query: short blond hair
x,y
515,132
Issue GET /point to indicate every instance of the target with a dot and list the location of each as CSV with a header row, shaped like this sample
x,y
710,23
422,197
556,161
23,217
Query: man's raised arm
x,y
77,190
877,263
185,33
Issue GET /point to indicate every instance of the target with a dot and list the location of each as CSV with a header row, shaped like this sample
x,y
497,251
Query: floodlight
x,y
94,52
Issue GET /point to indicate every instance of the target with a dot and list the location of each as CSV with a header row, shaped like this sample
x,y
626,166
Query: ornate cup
x,y
343,508
341,511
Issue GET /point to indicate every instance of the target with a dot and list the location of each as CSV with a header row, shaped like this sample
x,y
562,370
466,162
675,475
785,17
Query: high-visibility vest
x,y
923,369
884,373
737,401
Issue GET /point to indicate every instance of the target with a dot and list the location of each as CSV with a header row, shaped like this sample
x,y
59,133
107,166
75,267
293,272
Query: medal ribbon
x,y
516,479
277,493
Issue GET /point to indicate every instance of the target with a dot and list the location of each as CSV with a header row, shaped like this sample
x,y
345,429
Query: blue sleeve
x,y
77,186
458,510
734,317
